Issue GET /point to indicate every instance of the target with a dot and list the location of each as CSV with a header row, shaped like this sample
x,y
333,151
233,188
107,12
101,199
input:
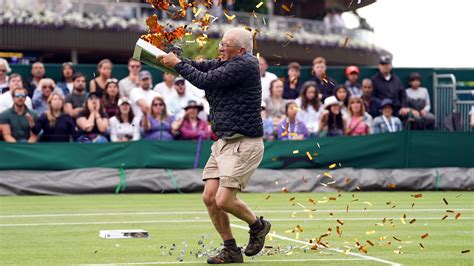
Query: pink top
x,y
361,127
189,132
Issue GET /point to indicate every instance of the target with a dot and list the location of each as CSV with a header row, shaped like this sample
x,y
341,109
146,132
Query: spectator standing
x,y
342,95
190,127
371,104
142,96
310,107
41,95
6,99
360,122
419,103
291,128
352,84
97,85
268,127
76,99
325,84
157,124
37,73
265,77
131,81
386,85
293,85
387,122
332,122
124,126
4,70
275,103
92,122
166,87
55,125
111,97
18,121
178,101
67,73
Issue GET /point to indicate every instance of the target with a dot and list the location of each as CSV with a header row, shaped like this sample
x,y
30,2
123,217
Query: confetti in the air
x,y
445,201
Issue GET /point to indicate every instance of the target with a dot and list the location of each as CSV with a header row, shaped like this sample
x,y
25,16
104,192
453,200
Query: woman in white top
x,y
124,126
275,103
310,107
4,70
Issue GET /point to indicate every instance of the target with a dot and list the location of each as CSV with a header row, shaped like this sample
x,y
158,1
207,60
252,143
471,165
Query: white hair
x,y
5,64
242,37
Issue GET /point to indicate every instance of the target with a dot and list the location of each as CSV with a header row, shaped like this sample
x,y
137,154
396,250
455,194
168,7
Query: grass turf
x,y
58,230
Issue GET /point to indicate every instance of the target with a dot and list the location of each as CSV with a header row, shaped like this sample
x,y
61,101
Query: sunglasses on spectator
x,y
111,80
20,95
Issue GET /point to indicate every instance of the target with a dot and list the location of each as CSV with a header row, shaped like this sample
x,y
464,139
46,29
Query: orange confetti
x,y
425,236
391,186
327,174
309,156
339,222
417,196
332,166
287,9
370,243
457,215
284,189
160,4
332,198
229,18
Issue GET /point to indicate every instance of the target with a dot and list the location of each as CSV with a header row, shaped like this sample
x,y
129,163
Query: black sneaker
x,y
257,238
227,255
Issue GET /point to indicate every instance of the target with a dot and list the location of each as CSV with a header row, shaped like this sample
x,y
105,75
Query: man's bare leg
x,y
227,200
219,217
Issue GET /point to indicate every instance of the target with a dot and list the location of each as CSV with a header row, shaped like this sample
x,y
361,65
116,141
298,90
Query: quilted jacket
x,y
233,90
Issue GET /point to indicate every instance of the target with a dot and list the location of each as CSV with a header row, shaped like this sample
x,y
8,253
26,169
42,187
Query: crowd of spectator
x,y
40,109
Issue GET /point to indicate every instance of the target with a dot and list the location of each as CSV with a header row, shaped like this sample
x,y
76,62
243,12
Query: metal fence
x,y
450,100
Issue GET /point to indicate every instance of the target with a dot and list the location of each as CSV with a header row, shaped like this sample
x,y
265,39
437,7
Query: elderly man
x,y
233,89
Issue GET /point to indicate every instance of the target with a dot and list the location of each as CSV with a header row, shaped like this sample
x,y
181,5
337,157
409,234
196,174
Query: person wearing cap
x,y
419,103
190,127
292,86
332,122
291,128
111,97
124,126
92,122
142,96
180,99
131,81
166,87
387,85
325,84
76,99
265,77
372,104
67,73
387,122
268,127
233,90
352,74
158,124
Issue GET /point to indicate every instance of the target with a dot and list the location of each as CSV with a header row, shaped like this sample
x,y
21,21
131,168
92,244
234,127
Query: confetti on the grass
x,y
412,221
368,203
332,166
339,222
466,251
309,156
391,186
425,236
370,232
444,218
451,211
457,215
402,219
445,201
421,246
397,251
268,197
370,243
347,208
458,196
396,238
292,198
416,196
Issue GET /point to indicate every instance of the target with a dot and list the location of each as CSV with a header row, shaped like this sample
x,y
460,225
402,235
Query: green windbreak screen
x,y
396,150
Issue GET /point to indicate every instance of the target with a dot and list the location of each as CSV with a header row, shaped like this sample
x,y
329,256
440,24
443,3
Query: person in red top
x,y
190,127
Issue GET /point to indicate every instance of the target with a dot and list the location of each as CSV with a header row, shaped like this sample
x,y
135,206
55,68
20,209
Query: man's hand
x,y
169,60
31,120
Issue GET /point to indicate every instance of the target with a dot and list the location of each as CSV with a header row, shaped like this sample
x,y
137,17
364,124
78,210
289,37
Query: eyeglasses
x,y
20,95
225,45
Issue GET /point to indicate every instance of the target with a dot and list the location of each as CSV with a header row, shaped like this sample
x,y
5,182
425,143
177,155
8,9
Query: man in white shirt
x,y
178,101
131,81
6,99
142,96
265,77
166,87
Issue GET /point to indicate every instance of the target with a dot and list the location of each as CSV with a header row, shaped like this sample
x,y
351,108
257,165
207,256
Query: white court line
x,y
203,262
207,221
331,249
205,212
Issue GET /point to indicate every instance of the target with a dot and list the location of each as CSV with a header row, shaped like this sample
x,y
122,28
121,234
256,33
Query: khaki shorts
x,y
233,161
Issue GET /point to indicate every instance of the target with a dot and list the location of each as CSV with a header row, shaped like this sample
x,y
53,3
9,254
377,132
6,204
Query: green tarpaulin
x,y
397,150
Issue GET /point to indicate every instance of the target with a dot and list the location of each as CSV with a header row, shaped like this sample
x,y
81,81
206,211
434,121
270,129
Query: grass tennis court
x,y
59,230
